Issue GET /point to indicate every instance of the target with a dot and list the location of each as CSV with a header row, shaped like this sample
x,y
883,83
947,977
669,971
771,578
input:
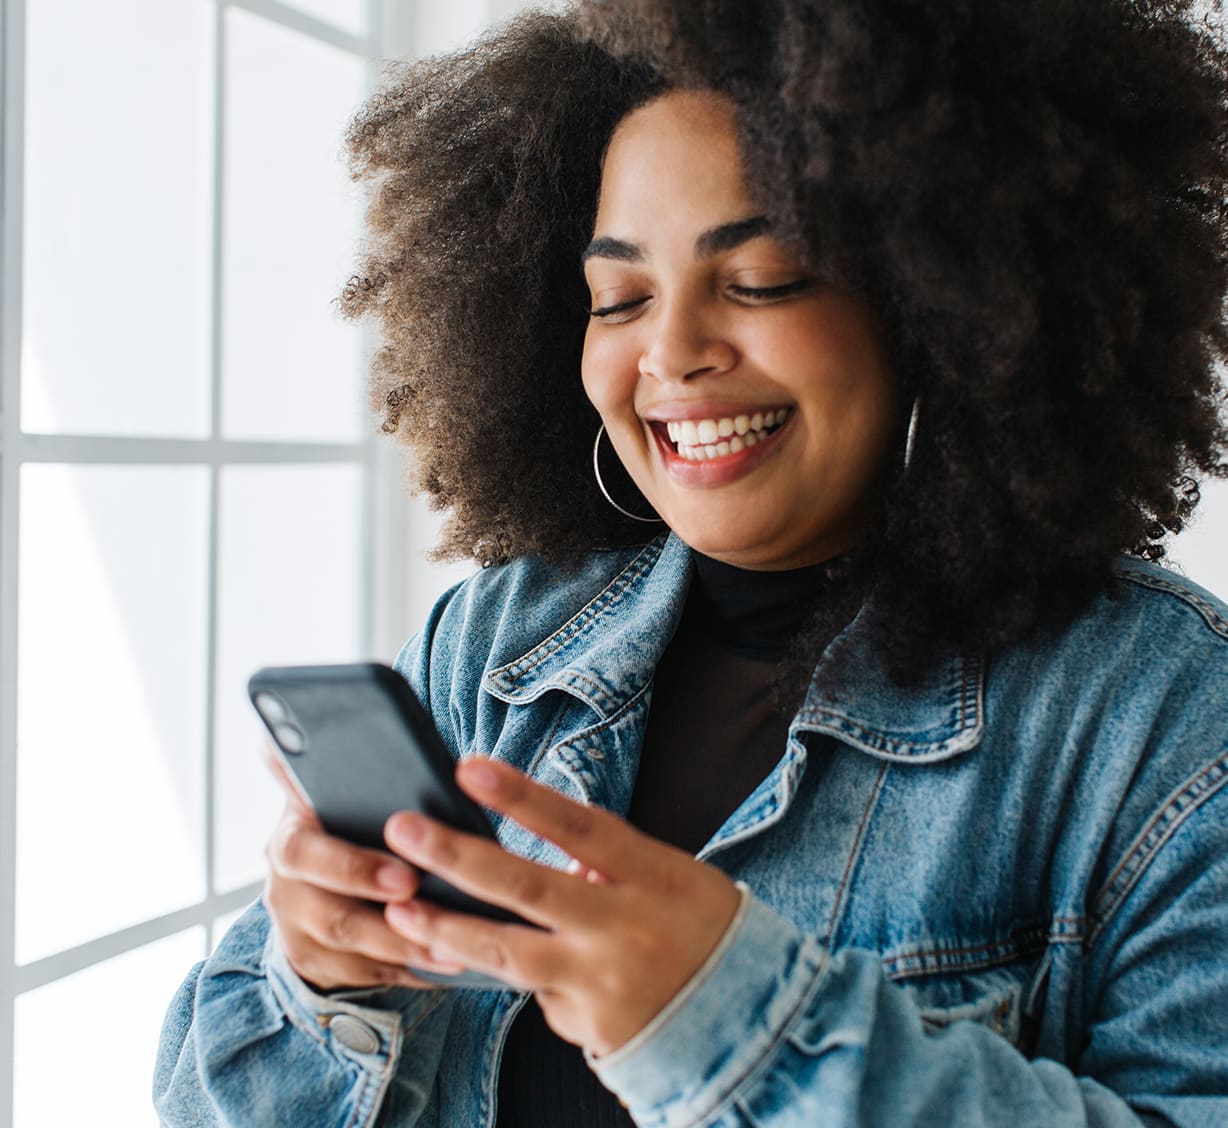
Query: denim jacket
x,y
999,897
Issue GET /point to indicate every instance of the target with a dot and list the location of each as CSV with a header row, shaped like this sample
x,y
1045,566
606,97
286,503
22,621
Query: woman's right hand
x,y
319,893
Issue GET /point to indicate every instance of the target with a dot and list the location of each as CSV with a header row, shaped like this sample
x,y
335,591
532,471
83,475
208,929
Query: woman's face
x,y
753,408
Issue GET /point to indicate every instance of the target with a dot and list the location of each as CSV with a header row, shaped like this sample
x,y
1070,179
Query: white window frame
x,y
389,572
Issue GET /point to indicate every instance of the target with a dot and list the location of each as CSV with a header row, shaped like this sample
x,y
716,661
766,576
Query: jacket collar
x,y
607,652
851,698
854,699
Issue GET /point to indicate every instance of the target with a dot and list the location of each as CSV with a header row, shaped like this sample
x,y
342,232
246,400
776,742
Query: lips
x,y
700,440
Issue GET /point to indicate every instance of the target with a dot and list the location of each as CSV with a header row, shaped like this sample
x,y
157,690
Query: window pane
x,y
291,367
85,1045
117,210
222,925
1202,549
445,27
110,691
349,15
291,593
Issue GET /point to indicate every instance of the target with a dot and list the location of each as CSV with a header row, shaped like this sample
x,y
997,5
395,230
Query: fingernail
x,y
480,775
427,961
403,916
407,829
395,878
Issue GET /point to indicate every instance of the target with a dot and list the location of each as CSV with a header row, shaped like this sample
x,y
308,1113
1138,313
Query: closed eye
x,y
772,293
613,312
621,311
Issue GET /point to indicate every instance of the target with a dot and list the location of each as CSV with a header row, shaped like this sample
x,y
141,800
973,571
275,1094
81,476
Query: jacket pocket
x,y
994,998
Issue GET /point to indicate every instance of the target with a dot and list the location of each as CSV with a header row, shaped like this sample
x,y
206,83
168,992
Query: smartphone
x,y
359,746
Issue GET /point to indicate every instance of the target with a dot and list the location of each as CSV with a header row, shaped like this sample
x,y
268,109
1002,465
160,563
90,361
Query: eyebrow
x,y
724,237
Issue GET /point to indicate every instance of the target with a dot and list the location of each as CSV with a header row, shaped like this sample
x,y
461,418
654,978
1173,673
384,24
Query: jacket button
x,y
354,1034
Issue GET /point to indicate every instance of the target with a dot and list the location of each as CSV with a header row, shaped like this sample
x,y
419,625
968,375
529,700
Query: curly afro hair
x,y
1030,196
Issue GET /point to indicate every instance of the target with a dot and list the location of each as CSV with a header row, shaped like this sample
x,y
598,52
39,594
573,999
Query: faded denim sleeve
x,y
781,1034
247,1042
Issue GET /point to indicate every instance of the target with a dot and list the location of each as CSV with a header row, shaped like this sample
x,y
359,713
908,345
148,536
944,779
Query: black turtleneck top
x,y
716,728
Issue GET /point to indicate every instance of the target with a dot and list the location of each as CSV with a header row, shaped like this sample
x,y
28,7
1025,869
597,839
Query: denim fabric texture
x,y
999,897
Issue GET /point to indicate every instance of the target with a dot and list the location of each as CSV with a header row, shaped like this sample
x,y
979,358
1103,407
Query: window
x,y
189,488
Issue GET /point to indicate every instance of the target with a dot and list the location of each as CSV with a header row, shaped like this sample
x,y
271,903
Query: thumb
x,y
296,798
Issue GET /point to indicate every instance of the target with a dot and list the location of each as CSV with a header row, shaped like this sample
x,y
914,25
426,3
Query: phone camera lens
x,y
289,737
270,708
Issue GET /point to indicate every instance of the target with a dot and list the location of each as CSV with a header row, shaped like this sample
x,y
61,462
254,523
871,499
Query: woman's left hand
x,y
620,934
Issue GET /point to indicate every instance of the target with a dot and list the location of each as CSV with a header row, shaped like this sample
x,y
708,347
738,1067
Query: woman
x,y
852,772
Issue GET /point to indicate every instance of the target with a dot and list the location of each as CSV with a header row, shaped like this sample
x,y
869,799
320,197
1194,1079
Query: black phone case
x,y
362,747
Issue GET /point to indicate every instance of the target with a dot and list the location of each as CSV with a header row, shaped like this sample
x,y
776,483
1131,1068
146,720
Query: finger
x,y
597,839
301,851
341,924
483,869
327,970
595,876
334,941
295,796
527,959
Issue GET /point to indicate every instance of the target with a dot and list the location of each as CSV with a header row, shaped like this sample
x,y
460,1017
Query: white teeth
x,y
701,439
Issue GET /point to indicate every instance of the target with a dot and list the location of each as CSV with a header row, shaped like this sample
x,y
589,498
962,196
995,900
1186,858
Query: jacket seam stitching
x,y
899,747
583,619
595,690
1207,610
363,1077
577,624
973,681
781,1035
290,1008
973,957
363,1106
1158,831
547,743
580,738
1076,934
854,854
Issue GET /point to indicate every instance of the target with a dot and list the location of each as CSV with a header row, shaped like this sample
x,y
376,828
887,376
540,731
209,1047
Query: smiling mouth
x,y
700,440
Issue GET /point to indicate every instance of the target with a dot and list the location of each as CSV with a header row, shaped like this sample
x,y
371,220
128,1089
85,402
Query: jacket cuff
x,y
722,1027
362,1025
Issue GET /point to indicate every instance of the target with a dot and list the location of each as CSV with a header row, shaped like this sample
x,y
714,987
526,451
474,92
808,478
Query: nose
x,y
685,341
